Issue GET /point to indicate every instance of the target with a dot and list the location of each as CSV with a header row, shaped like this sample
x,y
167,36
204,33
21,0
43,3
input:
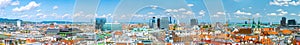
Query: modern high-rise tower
x,y
194,22
152,21
158,22
283,21
99,23
164,23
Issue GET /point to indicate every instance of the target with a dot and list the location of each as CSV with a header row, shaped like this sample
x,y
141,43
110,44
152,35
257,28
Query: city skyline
x,y
58,10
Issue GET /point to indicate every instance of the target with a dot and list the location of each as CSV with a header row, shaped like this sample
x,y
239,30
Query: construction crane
x,y
249,19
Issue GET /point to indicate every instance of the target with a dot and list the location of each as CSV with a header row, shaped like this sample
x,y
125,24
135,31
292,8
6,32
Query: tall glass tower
x,y
99,23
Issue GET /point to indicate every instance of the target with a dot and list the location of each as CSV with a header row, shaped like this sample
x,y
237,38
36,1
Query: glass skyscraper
x,y
99,23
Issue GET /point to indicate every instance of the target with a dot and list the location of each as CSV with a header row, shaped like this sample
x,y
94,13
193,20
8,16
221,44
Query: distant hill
x,y
57,22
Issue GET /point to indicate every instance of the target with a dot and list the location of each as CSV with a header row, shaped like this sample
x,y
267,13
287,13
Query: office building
x,y
170,20
111,26
100,22
292,22
158,22
283,21
19,23
194,22
164,23
152,21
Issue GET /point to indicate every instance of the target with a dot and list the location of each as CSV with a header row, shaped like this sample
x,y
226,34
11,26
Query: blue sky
x,y
235,10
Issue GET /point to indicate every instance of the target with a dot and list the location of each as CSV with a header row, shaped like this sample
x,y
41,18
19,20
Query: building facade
x,y
99,23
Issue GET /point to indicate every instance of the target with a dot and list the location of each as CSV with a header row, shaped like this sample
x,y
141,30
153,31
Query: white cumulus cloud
x,y
175,10
4,3
39,10
188,13
66,16
25,16
31,5
221,13
256,15
190,5
293,14
55,7
181,9
151,13
280,12
215,16
15,3
271,14
238,12
285,2
153,6
168,10
201,12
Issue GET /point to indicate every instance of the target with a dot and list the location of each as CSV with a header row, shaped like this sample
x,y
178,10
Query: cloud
x,y
201,12
190,5
282,12
56,16
66,16
15,3
284,2
55,7
4,3
238,12
25,16
150,13
293,14
277,3
250,7
215,16
153,6
221,13
295,3
168,10
175,10
271,14
188,13
256,15
181,9
31,5
106,15
41,16
279,10
39,10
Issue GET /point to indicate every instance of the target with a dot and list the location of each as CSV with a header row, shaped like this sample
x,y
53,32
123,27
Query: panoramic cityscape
x,y
149,22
